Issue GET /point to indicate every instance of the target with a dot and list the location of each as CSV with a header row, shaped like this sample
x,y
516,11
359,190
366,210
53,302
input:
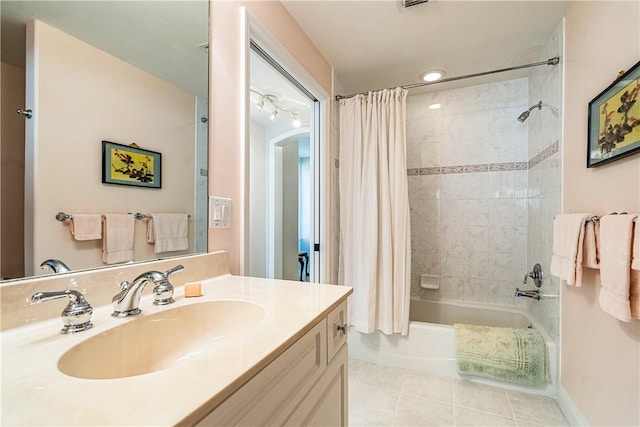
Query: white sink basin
x,y
158,341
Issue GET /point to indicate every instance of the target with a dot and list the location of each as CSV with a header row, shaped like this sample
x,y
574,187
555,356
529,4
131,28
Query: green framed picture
x,y
127,165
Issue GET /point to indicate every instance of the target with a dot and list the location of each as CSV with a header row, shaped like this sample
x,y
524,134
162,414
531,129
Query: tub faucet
x,y
126,302
533,293
56,265
536,274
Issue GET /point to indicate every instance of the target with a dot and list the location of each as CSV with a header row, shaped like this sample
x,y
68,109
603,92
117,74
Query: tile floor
x,y
385,396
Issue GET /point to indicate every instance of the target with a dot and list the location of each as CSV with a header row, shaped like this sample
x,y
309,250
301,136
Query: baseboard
x,y
569,409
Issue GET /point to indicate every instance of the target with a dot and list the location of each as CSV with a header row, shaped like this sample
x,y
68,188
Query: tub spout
x,y
531,293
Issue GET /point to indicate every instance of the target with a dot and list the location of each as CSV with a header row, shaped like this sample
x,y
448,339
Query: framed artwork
x,y
128,165
614,120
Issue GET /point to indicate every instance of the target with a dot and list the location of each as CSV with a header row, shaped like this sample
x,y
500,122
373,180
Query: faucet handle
x,y
76,316
175,269
163,290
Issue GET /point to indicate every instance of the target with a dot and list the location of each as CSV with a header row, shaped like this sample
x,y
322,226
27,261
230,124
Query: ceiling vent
x,y
411,3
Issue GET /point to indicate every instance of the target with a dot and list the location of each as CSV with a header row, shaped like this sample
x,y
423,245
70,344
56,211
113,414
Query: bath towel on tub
x,y
507,354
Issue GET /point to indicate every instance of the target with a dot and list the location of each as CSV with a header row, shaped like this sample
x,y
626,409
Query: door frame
x,y
254,31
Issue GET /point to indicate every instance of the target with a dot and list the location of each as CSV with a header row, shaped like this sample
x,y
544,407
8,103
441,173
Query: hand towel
x,y
169,232
86,226
591,245
616,237
117,243
634,291
635,262
568,246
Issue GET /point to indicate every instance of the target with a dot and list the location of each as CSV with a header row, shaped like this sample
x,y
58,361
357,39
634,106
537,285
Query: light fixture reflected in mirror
x,y
296,121
275,107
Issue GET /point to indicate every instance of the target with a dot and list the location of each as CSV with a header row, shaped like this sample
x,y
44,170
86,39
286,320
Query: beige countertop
x,y
35,392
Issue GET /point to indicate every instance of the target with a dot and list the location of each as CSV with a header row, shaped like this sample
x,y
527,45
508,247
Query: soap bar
x,y
192,289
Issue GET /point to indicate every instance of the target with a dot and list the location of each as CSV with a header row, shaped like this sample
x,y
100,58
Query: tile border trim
x,y
488,167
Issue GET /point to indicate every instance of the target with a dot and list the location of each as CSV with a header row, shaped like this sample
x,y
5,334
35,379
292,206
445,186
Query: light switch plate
x,y
219,212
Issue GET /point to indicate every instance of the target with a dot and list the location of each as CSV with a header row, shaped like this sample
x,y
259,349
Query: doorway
x,y
282,158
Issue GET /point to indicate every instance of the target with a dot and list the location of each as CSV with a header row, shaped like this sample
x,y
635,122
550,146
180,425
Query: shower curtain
x,y
374,211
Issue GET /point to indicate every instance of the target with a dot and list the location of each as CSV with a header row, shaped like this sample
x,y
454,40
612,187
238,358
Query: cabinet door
x,y
267,397
327,403
336,329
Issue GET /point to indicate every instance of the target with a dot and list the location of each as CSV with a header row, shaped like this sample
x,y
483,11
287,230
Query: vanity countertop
x,y
35,392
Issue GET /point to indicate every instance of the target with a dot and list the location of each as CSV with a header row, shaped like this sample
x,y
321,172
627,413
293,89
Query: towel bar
x,y
140,216
61,216
596,218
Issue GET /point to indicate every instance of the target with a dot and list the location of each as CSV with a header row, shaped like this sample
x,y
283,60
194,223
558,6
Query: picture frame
x,y
614,120
128,165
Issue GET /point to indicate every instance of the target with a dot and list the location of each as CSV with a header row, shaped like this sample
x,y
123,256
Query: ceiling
x,y
376,44
160,37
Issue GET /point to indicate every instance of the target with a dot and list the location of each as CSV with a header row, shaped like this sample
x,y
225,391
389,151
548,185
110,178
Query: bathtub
x,y
430,345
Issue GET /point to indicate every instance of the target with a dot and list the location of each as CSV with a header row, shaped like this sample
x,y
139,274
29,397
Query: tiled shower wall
x,y
545,84
467,164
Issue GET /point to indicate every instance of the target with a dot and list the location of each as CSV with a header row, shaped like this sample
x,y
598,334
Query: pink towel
x,y
568,247
616,237
117,244
591,245
635,262
86,226
634,291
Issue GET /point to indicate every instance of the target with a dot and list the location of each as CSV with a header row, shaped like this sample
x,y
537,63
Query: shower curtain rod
x,y
551,61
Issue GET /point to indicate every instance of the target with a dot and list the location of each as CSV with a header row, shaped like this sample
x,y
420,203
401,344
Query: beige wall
x,y
600,355
85,96
225,126
12,169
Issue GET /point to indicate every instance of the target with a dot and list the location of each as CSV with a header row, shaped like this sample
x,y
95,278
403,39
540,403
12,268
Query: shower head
x,y
525,115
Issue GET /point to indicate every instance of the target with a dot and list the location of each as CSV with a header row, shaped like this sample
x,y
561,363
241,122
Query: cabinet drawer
x,y
264,399
336,329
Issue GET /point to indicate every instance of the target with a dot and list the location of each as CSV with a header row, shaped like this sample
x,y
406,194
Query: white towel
x,y
117,244
86,226
616,237
568,246
169,231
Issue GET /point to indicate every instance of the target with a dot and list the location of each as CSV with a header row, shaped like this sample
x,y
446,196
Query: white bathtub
x,y
430,345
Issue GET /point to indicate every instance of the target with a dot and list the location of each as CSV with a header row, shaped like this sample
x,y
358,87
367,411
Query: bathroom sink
x,y
159,341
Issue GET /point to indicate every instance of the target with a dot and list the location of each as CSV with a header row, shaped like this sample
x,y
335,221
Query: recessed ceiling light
x,y
435,106
432,75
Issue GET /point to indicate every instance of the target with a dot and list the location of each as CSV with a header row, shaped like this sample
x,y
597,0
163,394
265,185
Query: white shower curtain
x,y
374,210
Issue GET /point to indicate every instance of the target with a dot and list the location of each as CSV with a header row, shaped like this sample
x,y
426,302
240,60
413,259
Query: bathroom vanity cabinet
x,y
249,351
305,385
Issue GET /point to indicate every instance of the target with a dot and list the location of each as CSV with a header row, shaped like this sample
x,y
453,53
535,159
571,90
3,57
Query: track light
x,y
273,100
296,121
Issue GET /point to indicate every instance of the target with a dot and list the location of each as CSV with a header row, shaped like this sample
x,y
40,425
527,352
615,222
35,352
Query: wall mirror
x,y
72,68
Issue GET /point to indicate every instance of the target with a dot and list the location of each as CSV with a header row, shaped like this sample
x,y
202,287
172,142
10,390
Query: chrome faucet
x,y
533,293
537,275
126,302
76,316
56,265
